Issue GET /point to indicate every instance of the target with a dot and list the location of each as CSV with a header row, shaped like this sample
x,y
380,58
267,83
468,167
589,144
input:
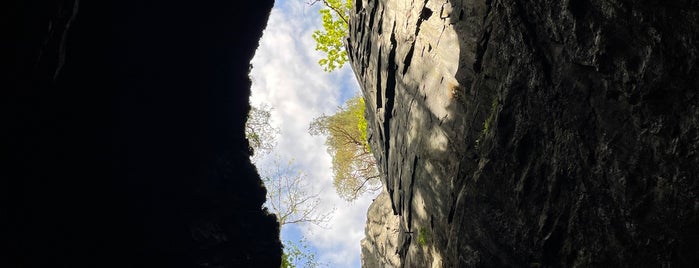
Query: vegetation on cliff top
x,y
354,166
335,17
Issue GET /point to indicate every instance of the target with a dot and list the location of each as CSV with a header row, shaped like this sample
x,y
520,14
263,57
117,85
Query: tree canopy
x,y
335,17
354,166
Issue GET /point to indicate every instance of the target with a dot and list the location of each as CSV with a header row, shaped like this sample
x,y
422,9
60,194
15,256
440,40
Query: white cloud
x,y
286,75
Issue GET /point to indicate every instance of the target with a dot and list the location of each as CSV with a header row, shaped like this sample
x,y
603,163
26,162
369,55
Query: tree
x,y
289,198
335,17
259,130
297,253
354,166
287,190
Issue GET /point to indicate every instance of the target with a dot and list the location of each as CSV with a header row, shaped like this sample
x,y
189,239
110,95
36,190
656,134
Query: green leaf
x,y
330,39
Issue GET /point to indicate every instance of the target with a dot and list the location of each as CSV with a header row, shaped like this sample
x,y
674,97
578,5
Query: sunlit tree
x,y
335,15
354,166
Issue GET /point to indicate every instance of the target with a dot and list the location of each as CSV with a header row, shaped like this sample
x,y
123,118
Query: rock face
x,y
533,134
123,122
379,246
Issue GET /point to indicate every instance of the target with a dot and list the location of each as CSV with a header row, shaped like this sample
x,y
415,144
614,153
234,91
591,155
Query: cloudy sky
x,y
286,76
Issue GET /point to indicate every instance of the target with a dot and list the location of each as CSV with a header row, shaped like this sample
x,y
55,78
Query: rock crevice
x,y
547,134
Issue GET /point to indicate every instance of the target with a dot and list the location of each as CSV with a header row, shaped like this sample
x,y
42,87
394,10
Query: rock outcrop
x,y
123,123
534,134
379,247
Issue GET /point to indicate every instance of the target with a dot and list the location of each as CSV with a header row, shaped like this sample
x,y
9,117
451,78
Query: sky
x,y
286,76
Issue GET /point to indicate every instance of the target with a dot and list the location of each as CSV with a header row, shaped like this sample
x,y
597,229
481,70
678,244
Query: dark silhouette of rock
x,y
534,134
123,123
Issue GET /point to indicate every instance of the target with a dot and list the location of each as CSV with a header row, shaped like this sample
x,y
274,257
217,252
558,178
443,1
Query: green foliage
x,y
488,121
297,254
286,263
422,236
491,116
361,122
354,166
335,28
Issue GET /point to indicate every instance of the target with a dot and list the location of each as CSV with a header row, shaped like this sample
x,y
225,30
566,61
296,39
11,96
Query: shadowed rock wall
x,y
125,136
534,134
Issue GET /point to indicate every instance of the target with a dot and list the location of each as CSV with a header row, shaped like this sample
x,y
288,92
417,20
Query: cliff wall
x,y
533,134
123,127
381,241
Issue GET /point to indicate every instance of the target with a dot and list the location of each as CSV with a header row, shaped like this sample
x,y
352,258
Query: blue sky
x,y
286,76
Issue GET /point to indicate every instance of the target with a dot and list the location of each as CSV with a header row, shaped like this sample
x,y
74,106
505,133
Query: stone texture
x,y
381,241
534,134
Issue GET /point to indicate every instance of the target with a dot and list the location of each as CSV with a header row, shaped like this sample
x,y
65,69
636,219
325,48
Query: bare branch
x,y
288,197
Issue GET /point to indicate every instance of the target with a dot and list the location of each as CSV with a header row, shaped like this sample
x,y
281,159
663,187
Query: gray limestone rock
x,y
379,248
533,134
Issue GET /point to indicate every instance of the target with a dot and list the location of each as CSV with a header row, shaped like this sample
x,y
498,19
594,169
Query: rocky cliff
x,y
381,241
533,133
123,127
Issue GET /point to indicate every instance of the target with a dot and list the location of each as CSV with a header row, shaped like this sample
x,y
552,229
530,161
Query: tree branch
x,y
334,9
356,191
